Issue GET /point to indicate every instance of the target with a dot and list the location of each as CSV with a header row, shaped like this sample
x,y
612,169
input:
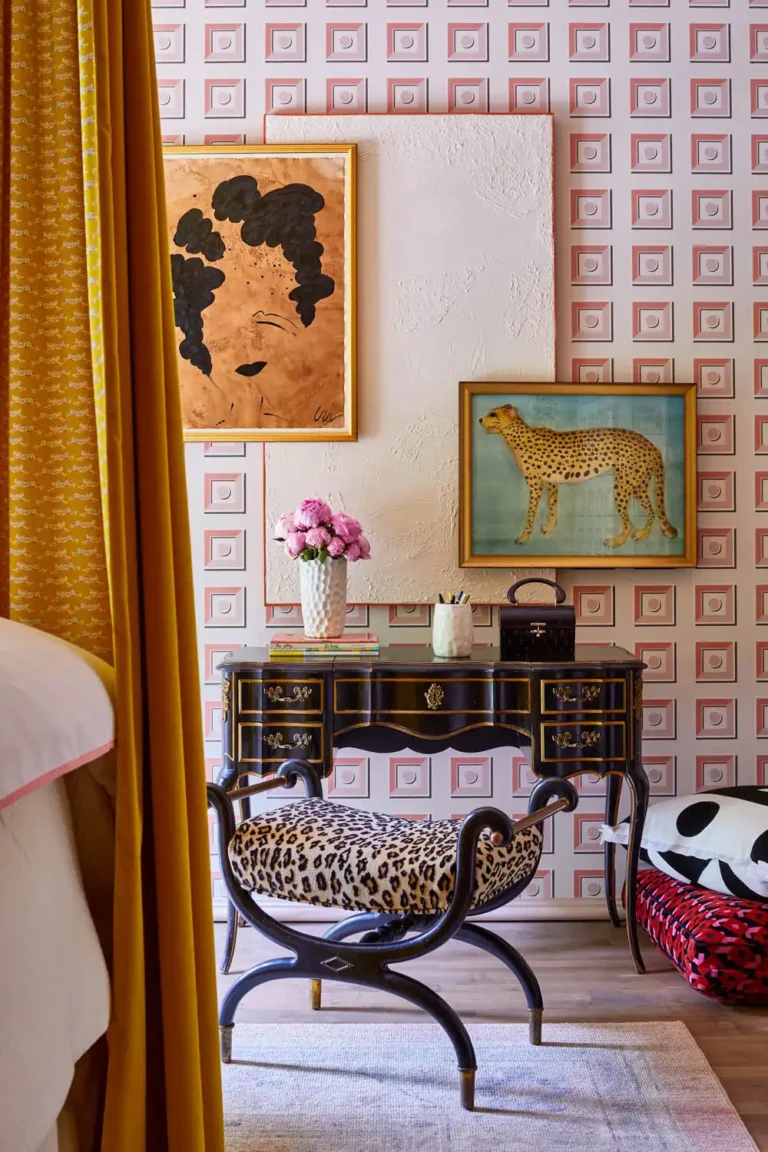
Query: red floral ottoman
x,y
719,943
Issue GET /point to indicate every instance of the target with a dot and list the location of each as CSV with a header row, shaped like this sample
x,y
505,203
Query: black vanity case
x,y
537,631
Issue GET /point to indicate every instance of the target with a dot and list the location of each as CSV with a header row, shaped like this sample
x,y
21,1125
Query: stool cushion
x,y
319,852
719,943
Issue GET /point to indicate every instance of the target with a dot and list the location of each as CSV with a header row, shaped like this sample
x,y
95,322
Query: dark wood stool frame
x,y
384,934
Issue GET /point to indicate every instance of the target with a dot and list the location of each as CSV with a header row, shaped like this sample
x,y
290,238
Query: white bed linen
x,y
54,986
55,709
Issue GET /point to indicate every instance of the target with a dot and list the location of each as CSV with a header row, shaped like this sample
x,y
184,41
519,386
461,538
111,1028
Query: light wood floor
x,y
586,975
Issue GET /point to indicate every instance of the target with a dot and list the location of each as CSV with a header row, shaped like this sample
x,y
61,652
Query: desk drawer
x,y
583,740
386,696
283,694
583,695
277,740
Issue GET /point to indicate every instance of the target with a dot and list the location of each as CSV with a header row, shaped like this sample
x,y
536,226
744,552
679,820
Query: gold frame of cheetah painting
x,y
262,242
577,475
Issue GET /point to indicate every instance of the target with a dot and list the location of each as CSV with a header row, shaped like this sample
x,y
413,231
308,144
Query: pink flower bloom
x,y
345,526
318,537
336,546
353,550
365,547
311,513
284,527
295,544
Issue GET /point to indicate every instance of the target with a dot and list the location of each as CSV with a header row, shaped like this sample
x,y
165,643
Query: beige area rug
x,y
395,1088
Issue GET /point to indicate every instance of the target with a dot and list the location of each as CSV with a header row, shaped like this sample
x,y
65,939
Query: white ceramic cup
x,y
452,630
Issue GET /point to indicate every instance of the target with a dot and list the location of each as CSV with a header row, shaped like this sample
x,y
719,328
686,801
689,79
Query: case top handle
x,y
559,591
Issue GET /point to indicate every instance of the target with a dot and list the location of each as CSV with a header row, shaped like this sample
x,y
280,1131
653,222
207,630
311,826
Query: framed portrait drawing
x,y
262,242
577,475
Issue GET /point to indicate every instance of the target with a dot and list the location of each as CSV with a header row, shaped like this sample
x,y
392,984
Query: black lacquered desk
x,y
580,716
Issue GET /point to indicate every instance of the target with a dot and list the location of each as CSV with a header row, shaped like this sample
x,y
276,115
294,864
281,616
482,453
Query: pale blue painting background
x,y
587,512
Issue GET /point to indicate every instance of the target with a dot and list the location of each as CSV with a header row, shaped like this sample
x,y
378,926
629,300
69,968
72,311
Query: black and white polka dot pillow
x,y
718,839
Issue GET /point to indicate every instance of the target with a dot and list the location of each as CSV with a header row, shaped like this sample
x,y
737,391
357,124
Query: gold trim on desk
x,y
567,724
577,683
430,681
270,682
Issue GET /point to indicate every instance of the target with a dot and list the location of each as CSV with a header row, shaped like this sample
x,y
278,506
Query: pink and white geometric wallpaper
x,y
661,118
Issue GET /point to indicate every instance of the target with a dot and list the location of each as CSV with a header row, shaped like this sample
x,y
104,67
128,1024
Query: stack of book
x,y
290,644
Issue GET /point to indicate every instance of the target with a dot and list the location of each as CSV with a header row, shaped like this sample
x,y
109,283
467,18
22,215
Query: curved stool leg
x,y
261,974
424,997
493,944
233,922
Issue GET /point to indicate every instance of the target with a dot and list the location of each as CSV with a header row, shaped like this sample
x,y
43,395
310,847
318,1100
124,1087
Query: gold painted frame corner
x,y
469,559
349,431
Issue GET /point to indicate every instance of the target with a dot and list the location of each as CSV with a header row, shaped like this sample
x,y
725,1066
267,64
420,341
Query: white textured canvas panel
x,y
455,282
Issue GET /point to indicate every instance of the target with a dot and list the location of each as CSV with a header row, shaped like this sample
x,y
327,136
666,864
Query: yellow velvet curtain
x,y
94,536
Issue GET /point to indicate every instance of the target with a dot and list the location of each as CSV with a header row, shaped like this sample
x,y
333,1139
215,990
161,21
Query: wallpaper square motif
x,y
653,370
651,151
529,42
406,42
346,42
710,153
529,95
467,94
651,264
468,42
714,377
590,97
590,152
587,41
224,43
648,42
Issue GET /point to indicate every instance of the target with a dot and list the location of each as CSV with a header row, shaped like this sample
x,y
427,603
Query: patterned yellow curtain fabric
x,y
94,534
52,569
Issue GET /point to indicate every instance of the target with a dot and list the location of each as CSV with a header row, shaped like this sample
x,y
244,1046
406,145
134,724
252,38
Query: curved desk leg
x,y
638,783
613,785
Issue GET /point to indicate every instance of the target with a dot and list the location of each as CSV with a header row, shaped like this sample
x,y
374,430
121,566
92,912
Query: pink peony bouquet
x,y
314,532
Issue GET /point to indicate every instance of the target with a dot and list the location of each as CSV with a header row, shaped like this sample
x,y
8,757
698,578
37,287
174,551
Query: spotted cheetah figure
x,y
545,456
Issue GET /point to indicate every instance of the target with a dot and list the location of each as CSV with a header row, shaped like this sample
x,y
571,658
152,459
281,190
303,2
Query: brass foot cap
x,y
534,1025
225,1040
315,994
467,1089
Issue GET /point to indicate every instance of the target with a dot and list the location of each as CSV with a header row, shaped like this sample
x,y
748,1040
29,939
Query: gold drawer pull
x,y
566,740
300,695
275,741
565,693
434,696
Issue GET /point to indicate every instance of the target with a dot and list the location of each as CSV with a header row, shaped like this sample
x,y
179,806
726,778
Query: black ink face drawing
x,y
282,218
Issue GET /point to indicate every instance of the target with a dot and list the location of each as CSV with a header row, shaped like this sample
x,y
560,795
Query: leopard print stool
x,y
410,886
320,852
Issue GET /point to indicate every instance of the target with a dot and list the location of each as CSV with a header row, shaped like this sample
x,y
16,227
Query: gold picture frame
x,y
511,440
265,289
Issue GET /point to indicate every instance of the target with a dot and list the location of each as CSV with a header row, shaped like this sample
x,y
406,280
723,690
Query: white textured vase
x,y
323,596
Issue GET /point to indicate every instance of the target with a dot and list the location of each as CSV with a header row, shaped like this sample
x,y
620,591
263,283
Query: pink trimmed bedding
x,y
56,834
55,709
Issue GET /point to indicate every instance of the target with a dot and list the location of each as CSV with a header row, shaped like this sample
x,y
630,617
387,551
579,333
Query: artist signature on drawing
x,y
323,416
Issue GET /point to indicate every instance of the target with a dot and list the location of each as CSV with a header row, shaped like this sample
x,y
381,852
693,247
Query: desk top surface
x,y
421,655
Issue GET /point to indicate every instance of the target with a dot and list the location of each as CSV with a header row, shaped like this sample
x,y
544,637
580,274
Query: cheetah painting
x,y
549,457
577,475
